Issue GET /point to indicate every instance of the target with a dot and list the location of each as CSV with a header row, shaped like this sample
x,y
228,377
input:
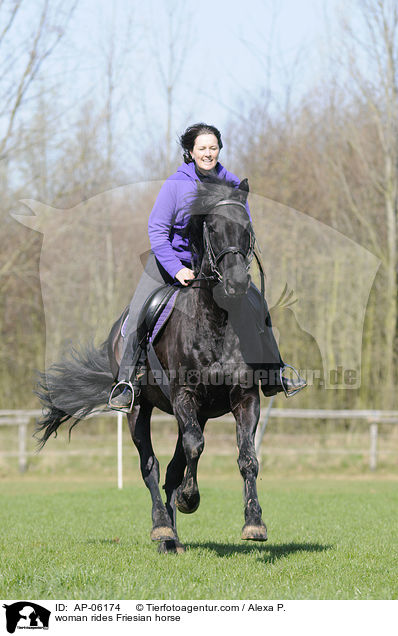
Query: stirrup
x,y
123,409
290,392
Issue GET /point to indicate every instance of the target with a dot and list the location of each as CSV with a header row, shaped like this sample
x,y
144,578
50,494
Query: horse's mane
x,y
208,194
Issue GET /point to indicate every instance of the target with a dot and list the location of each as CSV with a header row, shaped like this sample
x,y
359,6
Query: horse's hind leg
x,y
246,414
139,424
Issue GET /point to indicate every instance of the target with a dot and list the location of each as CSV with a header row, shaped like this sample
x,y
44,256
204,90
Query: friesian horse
x,y
201,356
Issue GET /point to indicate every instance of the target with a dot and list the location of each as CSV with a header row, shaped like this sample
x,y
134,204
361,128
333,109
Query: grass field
x,y
78,537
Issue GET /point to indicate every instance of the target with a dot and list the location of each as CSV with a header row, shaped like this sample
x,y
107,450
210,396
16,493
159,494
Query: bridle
x,y
215,259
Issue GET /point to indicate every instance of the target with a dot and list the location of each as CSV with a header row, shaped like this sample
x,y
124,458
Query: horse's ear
x,y
244,185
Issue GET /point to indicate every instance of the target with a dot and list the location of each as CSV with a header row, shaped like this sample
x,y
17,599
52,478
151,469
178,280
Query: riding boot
x,y
125,393
282,383
129,393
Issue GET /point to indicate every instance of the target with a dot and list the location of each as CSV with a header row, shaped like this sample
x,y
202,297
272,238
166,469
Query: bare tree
x,y
170,55
370,47
22,57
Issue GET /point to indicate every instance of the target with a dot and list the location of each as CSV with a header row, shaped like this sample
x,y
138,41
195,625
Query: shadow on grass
x,y
267,553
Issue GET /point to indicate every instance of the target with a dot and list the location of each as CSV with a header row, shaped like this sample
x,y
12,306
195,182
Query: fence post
x,y
373,446
22,458
120,450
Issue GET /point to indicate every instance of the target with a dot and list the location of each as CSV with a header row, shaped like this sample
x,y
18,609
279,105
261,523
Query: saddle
x,y
155,312
153,316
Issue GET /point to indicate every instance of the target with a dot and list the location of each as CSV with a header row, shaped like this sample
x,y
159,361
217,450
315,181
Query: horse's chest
x,y
215,343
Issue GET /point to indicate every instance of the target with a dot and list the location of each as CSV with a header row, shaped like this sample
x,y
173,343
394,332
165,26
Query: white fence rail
x,y
22,418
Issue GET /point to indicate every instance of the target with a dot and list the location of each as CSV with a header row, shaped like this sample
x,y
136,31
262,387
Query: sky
x,y
229,56
230,53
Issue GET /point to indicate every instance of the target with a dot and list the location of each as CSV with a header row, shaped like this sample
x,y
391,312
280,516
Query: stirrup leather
x,y
291,392
123,409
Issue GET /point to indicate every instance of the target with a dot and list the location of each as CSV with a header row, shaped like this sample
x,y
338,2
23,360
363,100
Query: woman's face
x,y
205,151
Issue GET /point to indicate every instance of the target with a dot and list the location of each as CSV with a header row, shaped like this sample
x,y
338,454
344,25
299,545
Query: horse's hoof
x,y
163,533
254,533
187,503
171,547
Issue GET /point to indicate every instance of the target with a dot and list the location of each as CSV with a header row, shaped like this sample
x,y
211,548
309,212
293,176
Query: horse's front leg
x,y
246,412
185,410
174,476
139,425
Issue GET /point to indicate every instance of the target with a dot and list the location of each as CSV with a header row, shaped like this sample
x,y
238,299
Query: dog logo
x,y
26,615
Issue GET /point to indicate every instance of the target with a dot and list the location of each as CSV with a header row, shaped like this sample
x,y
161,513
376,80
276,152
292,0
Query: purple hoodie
x,y
168,218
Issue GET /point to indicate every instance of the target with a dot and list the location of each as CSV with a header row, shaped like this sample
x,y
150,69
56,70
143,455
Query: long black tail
x,y
73,388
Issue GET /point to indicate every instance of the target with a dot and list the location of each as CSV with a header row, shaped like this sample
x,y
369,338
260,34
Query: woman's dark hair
x,y
187,140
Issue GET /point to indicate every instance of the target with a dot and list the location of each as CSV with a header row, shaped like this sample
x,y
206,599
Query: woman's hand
x,y
184,275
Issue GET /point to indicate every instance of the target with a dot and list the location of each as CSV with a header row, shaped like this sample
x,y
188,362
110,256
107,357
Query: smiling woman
x,y
205,152
202,145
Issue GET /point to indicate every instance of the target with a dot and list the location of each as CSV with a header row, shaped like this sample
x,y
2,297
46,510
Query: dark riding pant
x,y
154,276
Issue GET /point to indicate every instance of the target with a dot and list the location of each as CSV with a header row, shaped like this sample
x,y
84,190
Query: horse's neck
x,y
200,305
206,299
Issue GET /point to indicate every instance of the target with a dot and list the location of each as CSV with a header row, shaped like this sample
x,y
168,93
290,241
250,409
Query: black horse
x,y
202,358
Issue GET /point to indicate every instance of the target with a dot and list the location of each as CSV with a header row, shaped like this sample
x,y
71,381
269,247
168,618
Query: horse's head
x,y
222,236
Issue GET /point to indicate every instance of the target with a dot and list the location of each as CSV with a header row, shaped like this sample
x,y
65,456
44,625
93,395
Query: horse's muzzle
x,y
236,290
228,292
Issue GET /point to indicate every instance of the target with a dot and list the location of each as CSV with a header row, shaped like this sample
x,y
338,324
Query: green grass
x,y
328,539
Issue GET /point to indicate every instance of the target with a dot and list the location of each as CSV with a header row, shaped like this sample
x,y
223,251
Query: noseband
x,y
215,259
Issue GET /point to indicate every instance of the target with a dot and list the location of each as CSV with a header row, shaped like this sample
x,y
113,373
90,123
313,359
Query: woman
x,y
170,259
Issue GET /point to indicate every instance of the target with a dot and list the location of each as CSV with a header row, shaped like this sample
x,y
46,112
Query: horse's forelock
x,y
211,192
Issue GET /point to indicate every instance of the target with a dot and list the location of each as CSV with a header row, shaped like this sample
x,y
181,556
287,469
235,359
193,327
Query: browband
x,y
230,202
